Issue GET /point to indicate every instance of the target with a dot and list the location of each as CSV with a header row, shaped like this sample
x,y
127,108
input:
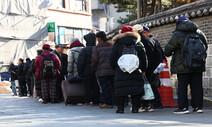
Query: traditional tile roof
x,y
192,10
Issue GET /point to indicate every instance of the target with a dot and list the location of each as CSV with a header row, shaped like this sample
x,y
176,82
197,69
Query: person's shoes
x,y
120,110
134,110
106,106
197,110
44,101
54,101
150,109
181,111
160,106
40,100
142,109
88,104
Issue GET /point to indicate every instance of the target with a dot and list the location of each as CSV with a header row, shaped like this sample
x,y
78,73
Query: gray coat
x,y
73,55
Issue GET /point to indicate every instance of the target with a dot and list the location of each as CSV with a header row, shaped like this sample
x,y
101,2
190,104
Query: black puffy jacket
x,y
21,72
84,67
128,84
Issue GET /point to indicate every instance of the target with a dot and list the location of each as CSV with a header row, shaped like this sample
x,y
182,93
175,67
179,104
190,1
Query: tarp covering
x,y
35,8
22,28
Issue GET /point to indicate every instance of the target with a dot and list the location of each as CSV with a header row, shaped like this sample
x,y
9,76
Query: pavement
x,y
28,112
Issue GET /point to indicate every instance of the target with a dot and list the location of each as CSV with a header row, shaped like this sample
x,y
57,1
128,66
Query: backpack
x,y
194,52
48,67
129,61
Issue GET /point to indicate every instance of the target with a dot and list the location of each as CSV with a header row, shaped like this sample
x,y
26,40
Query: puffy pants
x,y
106,89
195,81
48,88
92,91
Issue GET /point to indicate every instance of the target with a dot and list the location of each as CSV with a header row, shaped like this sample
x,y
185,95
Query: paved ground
x,y
15,112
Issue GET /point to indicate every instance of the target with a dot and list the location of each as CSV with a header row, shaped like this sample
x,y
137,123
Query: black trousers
x,y
29,89
23,88
121,100
195,81
59,92
157,100
106,84
92,90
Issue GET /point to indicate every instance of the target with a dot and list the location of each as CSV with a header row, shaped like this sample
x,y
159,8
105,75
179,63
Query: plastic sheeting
x,y
24,7
23,28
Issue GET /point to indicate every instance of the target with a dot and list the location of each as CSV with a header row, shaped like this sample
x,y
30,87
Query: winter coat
x,y
64,62
152,52
13,71
21,73
84,60
125,83
162,56
39,63
101,59
26,68
73,55
175,45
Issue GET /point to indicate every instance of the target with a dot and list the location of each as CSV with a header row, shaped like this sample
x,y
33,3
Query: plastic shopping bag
x,y
148,93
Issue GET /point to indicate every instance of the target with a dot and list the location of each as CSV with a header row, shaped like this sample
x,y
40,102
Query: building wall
x,y
163,34
70,21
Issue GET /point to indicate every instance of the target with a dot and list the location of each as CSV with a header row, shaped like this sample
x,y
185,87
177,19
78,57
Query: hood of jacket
x,y
186,26
128,38
90,39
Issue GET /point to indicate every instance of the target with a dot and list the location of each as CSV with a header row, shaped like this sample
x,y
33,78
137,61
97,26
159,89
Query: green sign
x,y
51,26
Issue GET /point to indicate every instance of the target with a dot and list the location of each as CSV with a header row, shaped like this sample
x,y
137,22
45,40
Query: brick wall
x,y
163,34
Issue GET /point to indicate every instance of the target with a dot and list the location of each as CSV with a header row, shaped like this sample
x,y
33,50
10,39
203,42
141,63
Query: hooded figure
x,y
86,72
186,76
125,83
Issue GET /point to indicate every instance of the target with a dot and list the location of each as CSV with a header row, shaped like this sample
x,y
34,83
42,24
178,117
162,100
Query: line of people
x,y
105,82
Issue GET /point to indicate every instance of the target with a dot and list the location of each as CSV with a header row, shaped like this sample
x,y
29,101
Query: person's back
x,y
86,72
21,72
186,75
84,60
125,83
39,63
176,44
73,55
153,54
47,67
101,59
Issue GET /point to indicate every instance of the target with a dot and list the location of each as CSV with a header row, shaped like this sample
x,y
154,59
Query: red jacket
x,y
39,62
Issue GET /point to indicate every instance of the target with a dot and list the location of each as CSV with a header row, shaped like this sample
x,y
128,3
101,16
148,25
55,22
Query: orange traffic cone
x,y
165,90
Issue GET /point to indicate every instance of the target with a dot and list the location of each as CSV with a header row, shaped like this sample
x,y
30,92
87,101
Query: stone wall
x,y
163,34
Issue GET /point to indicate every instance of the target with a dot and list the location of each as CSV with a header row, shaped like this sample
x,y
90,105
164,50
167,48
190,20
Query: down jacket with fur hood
x,y
125,83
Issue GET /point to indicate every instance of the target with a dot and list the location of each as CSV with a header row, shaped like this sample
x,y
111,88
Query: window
x,y
78,5
66,34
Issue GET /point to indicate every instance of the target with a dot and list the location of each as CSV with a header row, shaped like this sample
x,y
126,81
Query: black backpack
x,y
48,67
129,50
194,52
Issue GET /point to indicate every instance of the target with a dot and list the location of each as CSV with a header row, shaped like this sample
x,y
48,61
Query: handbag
x,y
74,79
148,93
155,80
